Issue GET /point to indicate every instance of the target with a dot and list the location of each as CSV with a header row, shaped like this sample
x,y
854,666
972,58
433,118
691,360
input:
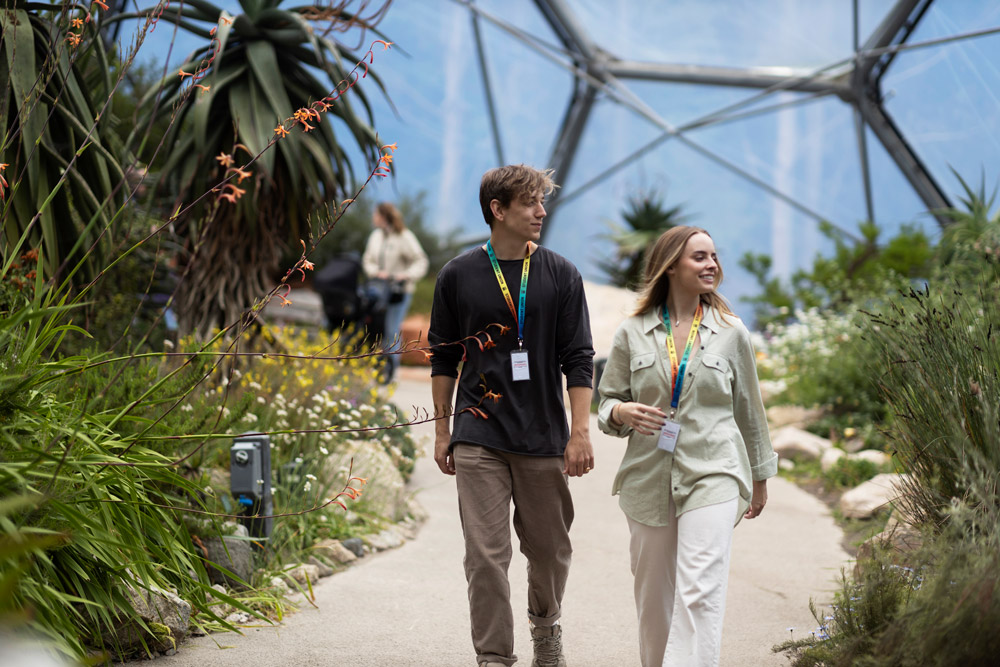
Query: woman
x,y
395,261
698,453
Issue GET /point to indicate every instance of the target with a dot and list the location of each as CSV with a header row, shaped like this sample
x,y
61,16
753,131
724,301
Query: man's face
x,y
523,218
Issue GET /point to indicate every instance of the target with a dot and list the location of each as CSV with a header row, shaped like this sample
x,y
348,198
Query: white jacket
x,y
399,255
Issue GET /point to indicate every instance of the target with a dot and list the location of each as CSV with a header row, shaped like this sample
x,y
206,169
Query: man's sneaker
x,y
548,646
492,664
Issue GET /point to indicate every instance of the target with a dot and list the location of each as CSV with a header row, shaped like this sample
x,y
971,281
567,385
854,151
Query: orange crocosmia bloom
x,y
493,396
224,159
225,20
73,39
204,89
309,266
387,158
241,174
77,23
385,44
363,480
232,193
281,131
390,147
182,73
211,33
99,4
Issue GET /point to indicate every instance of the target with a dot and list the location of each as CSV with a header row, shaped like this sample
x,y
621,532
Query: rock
x,y
830,458
169,652
898,541
303,573
786,464
792,415
387,539
335,551
416,510
865,500
872,455
852,445
408,529
239,618
165,614
385,492
323,569
232,552
280,585
791,442
355,546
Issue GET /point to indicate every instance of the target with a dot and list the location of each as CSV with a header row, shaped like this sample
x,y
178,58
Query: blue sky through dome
x,y
944,99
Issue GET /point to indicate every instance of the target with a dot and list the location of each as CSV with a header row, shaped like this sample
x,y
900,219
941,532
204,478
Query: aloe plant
x,y
62,160
256,69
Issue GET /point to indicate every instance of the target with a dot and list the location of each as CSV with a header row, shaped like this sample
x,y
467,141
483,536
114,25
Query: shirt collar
x,y
654,317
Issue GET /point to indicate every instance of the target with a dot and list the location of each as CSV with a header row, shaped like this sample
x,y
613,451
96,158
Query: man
x,y
515,444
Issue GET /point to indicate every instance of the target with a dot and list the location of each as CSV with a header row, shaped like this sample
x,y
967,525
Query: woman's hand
x,y
758,501
645,419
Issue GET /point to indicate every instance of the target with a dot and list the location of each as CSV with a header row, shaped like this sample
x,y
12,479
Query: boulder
x,y
323,569
387,539
786,464
355,545
162,611
791,442
385,493
334,551
232,552
865,500
780,416
830,458
303,573
873,456
898,541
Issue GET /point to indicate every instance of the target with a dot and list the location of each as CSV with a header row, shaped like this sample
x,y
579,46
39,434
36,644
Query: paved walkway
x,y
408,607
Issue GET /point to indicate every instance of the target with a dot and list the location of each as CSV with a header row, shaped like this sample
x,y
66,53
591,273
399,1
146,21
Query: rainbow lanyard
x,y
519,313
677,369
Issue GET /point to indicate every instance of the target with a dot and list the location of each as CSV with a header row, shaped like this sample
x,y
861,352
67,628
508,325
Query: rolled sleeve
x,y
615,386
749,411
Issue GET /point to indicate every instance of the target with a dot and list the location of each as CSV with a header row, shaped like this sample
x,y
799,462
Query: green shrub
x,y
847,473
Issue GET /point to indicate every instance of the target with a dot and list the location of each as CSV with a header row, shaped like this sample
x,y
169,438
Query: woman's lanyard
x,y
677,369
518,357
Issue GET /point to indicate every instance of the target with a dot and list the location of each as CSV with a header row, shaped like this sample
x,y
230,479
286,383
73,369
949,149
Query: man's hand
x,y
579,455
758,501
442,456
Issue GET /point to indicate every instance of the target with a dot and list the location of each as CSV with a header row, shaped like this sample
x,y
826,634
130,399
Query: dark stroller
x,y
348,304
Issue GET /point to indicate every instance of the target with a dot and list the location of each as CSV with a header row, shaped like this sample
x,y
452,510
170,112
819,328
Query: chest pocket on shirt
x,y
640,361
716,375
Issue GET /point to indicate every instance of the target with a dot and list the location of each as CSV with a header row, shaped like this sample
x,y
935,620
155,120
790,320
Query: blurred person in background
x,y
394,262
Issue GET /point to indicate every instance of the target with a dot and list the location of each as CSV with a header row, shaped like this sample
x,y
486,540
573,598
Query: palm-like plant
x,y
645,219
973,237
255,71
62,179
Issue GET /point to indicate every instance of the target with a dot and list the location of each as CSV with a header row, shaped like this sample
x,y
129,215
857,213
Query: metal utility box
x,y
250,482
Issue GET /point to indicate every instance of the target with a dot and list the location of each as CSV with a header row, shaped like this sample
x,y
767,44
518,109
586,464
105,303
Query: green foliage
x,y
646,219
62,158
938,365
848,473
859,270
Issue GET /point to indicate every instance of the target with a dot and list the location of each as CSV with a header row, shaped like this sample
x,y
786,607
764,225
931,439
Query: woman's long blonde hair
x,y
663,255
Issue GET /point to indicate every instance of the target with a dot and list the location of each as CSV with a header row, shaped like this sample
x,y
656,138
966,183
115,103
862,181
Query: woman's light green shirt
x,y
723,443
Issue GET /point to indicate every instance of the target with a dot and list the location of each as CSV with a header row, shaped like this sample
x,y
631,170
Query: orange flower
x,y
492,396
31,255
428,355
241,174
225,159
387,158
204,89
385,44
390,147
77,23
231,193
73,39
284,297
181,73
99,4
225,20
281,131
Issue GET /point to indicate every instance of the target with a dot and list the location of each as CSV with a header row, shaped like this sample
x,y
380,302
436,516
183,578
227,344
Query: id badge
x,y
668,436
519,365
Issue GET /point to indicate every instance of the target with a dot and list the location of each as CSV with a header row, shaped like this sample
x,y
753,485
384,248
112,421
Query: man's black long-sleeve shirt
x,y
530,416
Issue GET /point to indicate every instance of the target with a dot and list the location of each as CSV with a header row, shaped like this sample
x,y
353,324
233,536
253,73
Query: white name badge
x,y
519,365
668,436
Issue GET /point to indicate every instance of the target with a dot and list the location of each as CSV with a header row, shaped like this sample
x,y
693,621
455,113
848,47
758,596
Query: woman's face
x,y
697,269
378,222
